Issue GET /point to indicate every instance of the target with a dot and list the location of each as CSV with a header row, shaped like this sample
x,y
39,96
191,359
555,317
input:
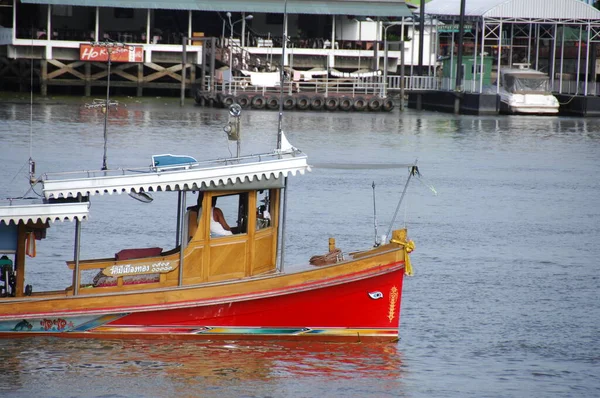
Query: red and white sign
x,y
90,52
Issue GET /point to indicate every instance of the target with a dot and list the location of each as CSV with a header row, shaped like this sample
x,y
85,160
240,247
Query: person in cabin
x,y
218,224
194,213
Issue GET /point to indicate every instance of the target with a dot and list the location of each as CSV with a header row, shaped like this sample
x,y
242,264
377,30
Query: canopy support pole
x,y
283,223
77,250
183,234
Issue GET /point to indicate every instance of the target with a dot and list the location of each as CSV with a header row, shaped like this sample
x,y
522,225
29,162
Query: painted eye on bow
x,y
376,295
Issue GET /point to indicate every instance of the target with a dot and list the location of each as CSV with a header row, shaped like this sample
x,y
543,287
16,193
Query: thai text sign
x,y
454,28
90,52
158,267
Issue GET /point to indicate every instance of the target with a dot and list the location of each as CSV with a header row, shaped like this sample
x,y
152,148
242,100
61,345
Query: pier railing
x,y
336,86
325,87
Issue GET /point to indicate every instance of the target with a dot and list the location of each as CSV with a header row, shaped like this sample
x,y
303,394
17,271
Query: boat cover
x,y
230,173
43,212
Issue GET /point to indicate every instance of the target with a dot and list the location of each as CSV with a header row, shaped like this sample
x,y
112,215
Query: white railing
x,y
413,83
575,87
325,87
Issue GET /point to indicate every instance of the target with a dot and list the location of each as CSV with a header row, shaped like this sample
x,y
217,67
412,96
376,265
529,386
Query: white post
x,y
412,48
243,42
475,70
562,57
49,23
482,48
431,65
578,60
148,26
537,47
529,46
189,24
333,32
499,58
14,20
587,60
97,28
510,53
452,78
552,67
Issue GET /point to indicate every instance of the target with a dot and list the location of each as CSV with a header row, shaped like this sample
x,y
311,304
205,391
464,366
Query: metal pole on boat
x,y
280,137
106,108
76,257
239,136
375,217
183,237
412,171
281,76
178,231
283,219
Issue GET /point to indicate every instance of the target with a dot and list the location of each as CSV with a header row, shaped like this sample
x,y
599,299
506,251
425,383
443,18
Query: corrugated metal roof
x,y
43,212
205,175
373,8
542,9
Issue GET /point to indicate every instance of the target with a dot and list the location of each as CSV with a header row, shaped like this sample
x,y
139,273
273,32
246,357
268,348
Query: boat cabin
x,y
229,230
525,81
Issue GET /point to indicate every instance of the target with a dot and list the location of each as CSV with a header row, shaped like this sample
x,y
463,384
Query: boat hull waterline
x,y
364,306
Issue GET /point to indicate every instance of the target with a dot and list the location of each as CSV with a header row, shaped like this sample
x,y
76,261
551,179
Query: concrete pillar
x,y
44,77
140,80
88,72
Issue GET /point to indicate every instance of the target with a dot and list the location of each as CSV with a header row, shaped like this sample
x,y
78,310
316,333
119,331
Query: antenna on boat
x,y
377,242
109,47
281,77
32,179
412,171
280,137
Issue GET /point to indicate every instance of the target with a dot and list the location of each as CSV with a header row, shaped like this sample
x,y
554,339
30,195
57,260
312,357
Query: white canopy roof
x,y
43,212
519,9
207,175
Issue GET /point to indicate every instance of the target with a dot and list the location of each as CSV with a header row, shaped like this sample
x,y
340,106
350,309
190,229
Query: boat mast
x,y
281,76
280,134
413,171
375,217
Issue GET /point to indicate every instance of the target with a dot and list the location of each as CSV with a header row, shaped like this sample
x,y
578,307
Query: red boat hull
x,y
356,307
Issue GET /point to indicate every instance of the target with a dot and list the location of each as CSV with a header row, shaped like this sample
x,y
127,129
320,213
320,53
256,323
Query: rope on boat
x,y
325,259
408,248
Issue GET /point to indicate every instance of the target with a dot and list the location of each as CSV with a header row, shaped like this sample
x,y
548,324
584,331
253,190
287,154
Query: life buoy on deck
x,y
243,101
303,102
332,103
30,244
345,103
317,102
387,105
289,102
359,104
273,102
258,102
375,104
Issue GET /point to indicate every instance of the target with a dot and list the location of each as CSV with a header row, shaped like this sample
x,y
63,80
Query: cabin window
x,y
229,215
263,209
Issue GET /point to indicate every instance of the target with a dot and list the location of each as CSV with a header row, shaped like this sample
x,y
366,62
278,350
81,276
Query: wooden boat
x,y
206,287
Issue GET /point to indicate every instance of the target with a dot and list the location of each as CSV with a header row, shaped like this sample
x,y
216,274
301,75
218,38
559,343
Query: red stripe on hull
x,y
346,305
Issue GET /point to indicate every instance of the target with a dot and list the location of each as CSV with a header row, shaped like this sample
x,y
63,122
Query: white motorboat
x,y
526,91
